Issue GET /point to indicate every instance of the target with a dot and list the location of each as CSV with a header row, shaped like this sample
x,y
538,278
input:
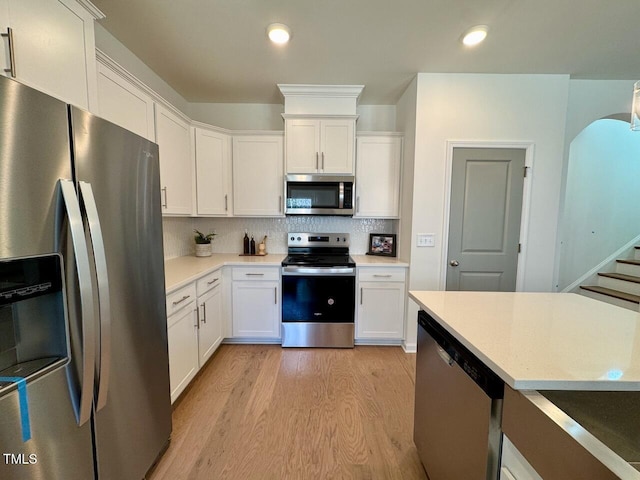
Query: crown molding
x,y
335,91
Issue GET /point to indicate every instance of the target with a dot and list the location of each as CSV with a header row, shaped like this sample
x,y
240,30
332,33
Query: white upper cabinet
x,y
258,181
213,172
320,145
176,174
124,104
49,45
378,176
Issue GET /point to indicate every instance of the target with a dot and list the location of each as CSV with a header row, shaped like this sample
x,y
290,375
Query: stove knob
x,y
344,239
293,238
299,239
337,239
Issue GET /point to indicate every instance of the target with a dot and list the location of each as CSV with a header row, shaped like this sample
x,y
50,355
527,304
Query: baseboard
x,y
409,347
379,342
253,341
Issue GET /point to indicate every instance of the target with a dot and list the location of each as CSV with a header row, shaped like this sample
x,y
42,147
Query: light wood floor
x,y
264,412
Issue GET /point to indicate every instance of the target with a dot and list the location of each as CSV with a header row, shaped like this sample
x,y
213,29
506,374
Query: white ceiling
x,y
217,50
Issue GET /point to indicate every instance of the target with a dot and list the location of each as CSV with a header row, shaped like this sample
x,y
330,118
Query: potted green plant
x,y
203,243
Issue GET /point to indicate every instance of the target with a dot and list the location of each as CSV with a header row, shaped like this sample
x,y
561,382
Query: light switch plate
x,y
426,240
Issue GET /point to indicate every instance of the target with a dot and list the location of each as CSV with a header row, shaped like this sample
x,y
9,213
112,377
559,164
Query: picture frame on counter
x,y
383,244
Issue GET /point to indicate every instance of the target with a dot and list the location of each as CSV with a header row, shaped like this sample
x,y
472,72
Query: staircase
x,y
621,287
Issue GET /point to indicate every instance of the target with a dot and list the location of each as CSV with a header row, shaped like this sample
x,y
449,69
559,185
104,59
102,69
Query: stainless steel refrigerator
x,y
84,376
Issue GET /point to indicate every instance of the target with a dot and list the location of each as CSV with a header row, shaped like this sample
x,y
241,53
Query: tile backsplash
x,y
178,232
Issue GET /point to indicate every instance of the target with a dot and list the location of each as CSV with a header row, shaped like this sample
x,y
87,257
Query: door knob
x,y
454,263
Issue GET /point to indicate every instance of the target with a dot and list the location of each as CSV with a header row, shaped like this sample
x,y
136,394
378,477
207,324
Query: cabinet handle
x,y
12,54
254,274
275,295
317,163
181,300
226,202
323,161
381,276
280,204
197,325
204,313
213,281
360,295
165,197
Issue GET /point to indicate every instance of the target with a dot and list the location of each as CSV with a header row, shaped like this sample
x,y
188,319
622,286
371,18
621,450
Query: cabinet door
x,y
173,139
182,335
258,182
124,104
378,177
381,310
210,318
213,172
256,309
337,145
302,145
54,49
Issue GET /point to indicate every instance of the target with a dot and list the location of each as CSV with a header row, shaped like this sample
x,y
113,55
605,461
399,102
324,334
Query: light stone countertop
x,y
378,261
543,341
180,271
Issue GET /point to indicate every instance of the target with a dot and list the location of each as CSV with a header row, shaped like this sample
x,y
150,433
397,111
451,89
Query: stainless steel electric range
x,y
318,291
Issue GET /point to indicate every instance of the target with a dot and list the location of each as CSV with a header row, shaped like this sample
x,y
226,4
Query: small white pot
x,y
203,249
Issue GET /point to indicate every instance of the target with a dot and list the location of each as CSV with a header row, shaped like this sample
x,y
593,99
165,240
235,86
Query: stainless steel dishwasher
x,y
458,408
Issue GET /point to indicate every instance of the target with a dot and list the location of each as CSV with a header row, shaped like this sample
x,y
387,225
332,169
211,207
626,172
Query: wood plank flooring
x,y
264,412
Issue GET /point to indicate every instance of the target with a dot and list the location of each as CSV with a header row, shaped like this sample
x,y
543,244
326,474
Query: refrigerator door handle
x,y
82,406
100,260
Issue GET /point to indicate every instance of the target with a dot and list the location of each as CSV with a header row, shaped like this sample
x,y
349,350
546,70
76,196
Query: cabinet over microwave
x,y
319,195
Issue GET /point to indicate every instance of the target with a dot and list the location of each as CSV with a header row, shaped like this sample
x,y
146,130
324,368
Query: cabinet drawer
x,y
180,298
208,282
259,273
381,275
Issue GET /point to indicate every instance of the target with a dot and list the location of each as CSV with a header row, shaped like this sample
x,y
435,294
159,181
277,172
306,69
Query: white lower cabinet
x,y
256,302
182,333
381,299
209,315
194,328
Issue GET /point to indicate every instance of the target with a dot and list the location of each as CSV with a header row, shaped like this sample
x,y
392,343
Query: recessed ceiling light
x,y
475,35
279,33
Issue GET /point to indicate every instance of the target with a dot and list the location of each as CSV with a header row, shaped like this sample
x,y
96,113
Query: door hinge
x,y
525,172
519,247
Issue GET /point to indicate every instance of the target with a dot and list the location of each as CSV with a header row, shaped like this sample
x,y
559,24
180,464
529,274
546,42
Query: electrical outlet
x,y
426,240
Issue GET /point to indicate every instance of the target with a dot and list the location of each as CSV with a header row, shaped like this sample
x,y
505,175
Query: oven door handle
x,y
318,271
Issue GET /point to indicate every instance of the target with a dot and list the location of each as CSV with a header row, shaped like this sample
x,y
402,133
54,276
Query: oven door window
x,y
326,299
316,195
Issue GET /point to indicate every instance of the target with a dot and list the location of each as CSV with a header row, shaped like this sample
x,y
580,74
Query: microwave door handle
x,y
100,261
341,195
82,405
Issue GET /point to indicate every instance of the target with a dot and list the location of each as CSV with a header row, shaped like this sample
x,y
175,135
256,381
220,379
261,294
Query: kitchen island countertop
x,y
543,341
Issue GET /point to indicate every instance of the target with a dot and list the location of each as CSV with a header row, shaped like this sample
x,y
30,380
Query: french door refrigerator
x,y
84,377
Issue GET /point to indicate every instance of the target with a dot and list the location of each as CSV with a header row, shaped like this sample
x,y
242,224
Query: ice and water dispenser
x,y
33,327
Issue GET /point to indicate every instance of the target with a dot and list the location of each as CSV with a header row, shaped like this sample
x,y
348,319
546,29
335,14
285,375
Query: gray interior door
x,y
484,221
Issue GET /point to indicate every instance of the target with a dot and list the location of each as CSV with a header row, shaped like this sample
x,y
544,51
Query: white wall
x,y
122,55
589,100
488,108
256,116
602,204
406,122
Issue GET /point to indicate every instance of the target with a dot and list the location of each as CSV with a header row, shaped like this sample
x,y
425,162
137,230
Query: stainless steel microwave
x,y
319,195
